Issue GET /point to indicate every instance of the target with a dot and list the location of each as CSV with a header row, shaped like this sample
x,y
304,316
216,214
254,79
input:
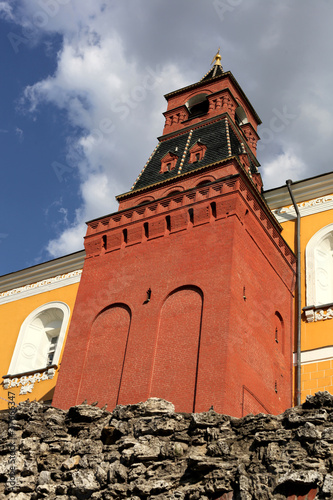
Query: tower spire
x,y
217,59
217,69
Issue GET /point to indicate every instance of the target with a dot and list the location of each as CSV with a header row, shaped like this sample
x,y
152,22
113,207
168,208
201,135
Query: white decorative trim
x,y
41,286
309,207
322,315
313,315
307,189
309,315
39,272
26,388
144,168
315,355
27,382
185,152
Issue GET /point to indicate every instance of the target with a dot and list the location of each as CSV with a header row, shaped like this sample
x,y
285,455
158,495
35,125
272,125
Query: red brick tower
x,y
186,292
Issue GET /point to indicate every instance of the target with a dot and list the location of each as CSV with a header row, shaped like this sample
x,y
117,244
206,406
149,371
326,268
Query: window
x,y
168,162
213,209
40,339
197,105
104,241
191,215
197,152
279,330
168,223
146,229
240,116
319,267
52,349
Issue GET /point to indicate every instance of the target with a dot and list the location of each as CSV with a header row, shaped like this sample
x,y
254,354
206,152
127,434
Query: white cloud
x,y
285,166
6,11
319,118
114,66
102,91
69,241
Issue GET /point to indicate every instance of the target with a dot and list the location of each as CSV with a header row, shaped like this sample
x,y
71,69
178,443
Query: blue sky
x,y
81,100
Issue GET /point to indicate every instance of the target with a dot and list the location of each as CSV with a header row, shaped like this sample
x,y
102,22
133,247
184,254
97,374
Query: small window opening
x,y
104,241
199,109
197,152
146,229
279,330
168,223
240,116
213,209
191,215
125,236
197,105
168,162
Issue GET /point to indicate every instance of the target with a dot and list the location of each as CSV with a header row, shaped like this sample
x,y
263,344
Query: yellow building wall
x,y
317,377
12,315
314,376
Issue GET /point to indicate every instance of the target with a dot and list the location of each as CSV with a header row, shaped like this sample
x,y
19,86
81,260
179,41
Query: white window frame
x,y
13,369
310,262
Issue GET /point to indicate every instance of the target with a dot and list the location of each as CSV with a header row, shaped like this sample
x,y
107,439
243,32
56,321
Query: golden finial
x,y
217,59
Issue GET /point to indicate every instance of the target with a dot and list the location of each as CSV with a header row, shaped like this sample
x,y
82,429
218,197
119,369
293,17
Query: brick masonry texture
x,y
216,284
147,451
317,377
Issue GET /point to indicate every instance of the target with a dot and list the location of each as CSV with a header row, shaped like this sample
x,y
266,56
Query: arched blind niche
x,y
106,354
177,348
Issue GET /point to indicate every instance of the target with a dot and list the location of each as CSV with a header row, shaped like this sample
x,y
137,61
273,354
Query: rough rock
x,y
147,451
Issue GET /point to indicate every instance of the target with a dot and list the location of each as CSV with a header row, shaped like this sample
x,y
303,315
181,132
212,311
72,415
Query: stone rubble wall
x,y
147,451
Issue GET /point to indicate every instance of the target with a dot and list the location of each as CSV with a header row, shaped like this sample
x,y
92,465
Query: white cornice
x,y
305,208
50,269
315,355
305,190
43,286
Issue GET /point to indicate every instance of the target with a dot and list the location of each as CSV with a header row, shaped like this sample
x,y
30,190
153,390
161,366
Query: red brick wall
x,y
177,346
225,90
106,351
197,342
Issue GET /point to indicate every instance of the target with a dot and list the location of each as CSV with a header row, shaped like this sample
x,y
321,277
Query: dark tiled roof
x,y
215,71
212,135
